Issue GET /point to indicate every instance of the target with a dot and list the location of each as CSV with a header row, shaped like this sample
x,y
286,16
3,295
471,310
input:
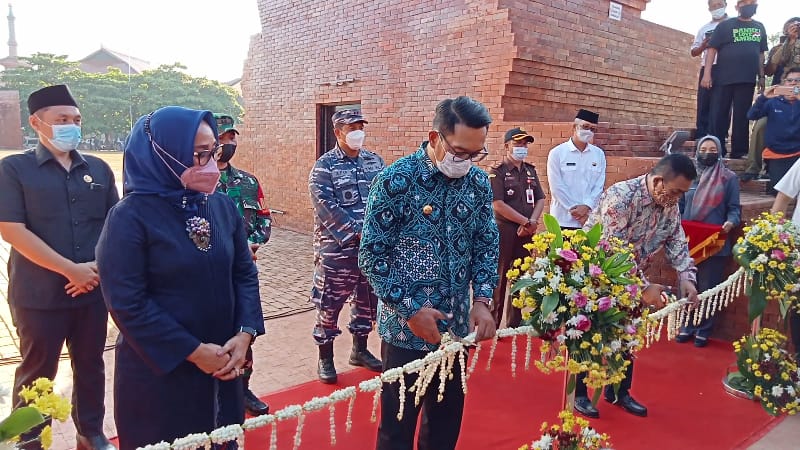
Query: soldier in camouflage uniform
x,y
339,185
246,192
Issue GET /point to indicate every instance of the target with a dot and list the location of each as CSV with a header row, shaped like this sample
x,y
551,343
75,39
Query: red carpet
x,y
680,385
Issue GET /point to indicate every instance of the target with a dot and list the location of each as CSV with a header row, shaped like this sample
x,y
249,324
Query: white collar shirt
x,y
576,178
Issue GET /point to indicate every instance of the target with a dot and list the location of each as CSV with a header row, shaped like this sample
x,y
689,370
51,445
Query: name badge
x,y
529,196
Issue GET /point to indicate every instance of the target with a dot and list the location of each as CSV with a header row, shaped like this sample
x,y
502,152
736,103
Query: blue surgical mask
x,y
519,153
66,137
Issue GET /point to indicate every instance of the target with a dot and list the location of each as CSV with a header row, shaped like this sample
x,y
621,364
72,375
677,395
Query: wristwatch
x,y
251,331
486,301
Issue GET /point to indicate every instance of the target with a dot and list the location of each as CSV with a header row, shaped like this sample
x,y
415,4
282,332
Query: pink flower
x,y
580,299
603,304
778,254
784,237
604,245
595,271
632,289
583,323
630,329
569,255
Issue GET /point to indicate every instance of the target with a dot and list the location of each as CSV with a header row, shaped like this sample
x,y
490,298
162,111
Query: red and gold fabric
x,y
705,239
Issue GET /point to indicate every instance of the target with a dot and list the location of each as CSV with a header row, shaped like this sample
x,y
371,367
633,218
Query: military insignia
x,y
510,192
492,175
427,210
87,178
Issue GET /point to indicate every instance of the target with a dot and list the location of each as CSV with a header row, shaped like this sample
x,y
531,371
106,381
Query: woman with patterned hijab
x,y
713,199
180,283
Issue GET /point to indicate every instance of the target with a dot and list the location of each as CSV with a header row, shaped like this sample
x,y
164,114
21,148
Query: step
x,y
754,187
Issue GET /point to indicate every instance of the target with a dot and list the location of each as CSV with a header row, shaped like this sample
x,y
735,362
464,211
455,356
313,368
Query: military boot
x,y
325,368
360,356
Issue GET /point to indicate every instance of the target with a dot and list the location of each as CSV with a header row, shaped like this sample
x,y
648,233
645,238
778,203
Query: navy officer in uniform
x,y
339,185
518,202
53,203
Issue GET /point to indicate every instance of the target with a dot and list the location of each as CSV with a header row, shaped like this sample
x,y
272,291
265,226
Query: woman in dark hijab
x,y
712,199
180,283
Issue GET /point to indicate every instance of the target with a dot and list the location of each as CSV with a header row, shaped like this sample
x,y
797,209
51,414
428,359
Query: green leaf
x,y
595,234
551,224
521,284
19,421
757,304
596,396
784,308
571,383
549,304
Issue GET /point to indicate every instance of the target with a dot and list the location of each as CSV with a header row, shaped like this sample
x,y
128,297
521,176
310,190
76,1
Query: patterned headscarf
x,y
710,187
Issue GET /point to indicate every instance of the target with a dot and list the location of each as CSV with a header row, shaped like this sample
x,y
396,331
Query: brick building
x,y
532,62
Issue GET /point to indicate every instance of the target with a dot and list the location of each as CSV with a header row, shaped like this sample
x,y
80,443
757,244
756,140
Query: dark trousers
x,y
703,108
441,421
709,274
794,317
42,334
510,249
776,169
732,101
624,386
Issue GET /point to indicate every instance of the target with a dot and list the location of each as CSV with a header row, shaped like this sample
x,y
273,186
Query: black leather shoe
x,y
682,338
585,408
253,405
629,404
361,356
98,442
700,342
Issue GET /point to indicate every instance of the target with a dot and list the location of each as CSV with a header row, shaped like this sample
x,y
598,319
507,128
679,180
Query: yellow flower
x,y
46,437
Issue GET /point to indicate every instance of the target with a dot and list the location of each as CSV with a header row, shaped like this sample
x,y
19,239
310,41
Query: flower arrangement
x,y
42,403
573,433
768,252
768,371
582,294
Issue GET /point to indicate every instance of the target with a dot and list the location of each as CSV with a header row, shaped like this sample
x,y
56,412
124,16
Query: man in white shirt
x,y
576,172
788,189
699,46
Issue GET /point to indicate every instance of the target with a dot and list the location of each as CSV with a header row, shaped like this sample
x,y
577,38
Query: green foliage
x,y
110,101
19,421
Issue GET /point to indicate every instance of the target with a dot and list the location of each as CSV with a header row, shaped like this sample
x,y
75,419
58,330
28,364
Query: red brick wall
x,y
10,125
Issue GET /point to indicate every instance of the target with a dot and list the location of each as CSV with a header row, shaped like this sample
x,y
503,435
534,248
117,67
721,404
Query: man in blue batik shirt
x,y
428,237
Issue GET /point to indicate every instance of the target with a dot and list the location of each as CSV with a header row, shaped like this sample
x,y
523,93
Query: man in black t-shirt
x,y
738,44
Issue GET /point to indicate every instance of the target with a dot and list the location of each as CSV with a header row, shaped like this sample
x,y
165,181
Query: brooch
x,y
199,230
87,178
427,210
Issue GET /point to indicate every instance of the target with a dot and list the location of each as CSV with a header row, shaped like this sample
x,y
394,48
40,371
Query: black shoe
x,y
325,368
700,342
585,408
253,405
682,337
747,177
629,404
361,356
98,442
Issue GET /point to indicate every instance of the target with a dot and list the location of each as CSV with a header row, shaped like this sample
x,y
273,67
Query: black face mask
x,y
748,11
707,159
227,152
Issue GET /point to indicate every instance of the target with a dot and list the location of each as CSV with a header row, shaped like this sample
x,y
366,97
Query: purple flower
x,y
583,323
630,329
604,303
784,237
569,255
778,254
632,289
580,299
604,245
595,271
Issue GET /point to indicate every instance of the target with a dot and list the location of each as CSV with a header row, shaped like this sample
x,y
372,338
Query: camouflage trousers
x,y
333,286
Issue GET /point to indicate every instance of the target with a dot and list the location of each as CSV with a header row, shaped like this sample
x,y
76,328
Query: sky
x,y
212,38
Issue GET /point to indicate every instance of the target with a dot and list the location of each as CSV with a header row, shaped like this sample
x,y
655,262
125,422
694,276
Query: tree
x,y
110,102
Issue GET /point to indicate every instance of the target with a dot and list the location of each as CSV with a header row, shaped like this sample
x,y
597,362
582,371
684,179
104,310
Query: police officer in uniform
x,y
518,202
339,186
245,191
53,203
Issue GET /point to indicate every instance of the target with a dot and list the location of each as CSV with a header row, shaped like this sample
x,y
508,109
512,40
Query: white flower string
x,y
299,431
192,442
514,356
273,437
528,350
227,434
332,420
474,362
491,352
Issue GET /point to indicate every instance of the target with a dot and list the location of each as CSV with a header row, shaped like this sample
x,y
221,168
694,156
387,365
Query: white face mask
x,y
585,136
718,13
452,168
519,153
355,139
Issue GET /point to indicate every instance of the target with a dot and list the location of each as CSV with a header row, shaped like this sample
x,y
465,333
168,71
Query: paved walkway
x,y
286,356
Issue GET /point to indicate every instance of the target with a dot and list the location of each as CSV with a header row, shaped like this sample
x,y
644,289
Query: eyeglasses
x,y
463,156
792,80
204,156
586,126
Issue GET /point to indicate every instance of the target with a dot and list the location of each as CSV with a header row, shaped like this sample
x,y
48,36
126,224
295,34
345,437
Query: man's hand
x,y
528,229
207,359
727,226
83,278
423,324
706,82
481,321
651,296
761,84
579,211
770,93
689,290
236,349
